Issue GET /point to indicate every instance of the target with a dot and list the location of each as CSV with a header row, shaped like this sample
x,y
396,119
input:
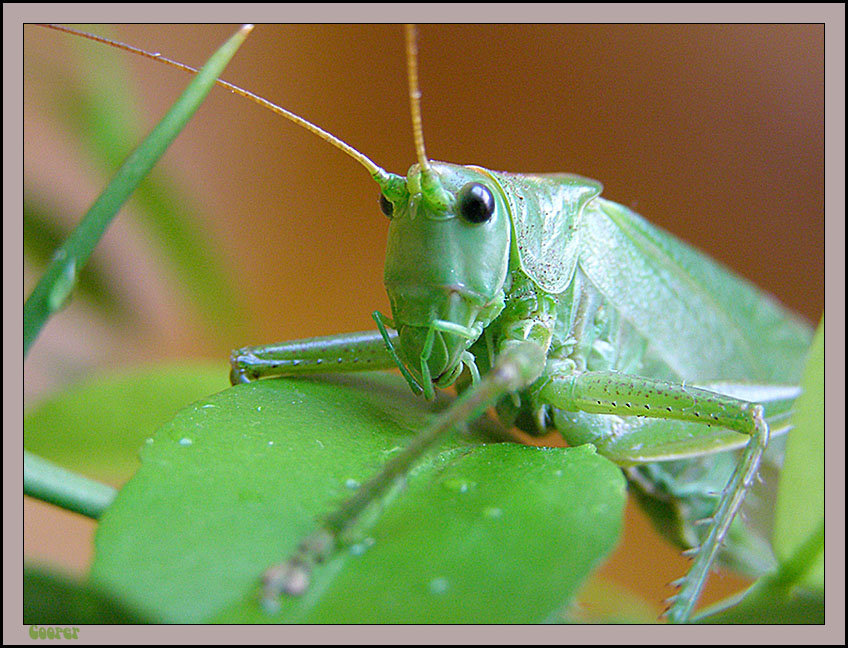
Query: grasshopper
x,y
567,324
566,311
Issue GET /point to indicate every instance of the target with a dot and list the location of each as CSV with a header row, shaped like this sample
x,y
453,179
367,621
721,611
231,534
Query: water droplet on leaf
x,y
60,293
439,585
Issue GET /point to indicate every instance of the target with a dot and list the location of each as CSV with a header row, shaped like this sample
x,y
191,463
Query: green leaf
x,y
97,427
769,602
799,513
52,599
480,532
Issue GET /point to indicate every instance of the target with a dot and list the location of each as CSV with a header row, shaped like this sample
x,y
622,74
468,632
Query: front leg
x,y
329,354
518,366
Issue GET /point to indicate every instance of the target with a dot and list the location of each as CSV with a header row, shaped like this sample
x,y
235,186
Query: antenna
x,y
415,97
431,188
384,179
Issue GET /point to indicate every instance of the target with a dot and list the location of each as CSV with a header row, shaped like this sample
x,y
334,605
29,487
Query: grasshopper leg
x,y
329,354
516,368
626,395
731,500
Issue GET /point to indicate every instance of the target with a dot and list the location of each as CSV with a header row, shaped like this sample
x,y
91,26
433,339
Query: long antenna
x,y
415,97
377,172
431,187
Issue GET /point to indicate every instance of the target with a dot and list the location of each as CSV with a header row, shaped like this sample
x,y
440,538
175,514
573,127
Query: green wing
x,y
703,321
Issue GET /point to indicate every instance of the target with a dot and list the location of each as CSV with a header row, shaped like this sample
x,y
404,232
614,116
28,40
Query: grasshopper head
x,y
446,264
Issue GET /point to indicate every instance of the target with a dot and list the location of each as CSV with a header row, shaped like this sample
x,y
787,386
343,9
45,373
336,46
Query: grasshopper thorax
x,y
446,265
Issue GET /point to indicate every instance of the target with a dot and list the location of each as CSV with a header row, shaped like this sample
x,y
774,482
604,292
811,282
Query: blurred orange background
x,y
713,132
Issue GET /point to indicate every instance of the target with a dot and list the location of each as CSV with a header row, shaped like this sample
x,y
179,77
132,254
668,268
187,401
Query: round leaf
x,y
479,532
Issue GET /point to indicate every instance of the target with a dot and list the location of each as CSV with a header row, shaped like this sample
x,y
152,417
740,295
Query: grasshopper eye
x,y
386,206
475,203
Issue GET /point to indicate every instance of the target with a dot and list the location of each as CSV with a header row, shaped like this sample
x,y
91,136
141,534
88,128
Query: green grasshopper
x,y
546,297
565,311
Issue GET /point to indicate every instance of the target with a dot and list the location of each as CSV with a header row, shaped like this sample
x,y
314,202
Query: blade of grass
x,y
43,234
100,110
48,482
54,288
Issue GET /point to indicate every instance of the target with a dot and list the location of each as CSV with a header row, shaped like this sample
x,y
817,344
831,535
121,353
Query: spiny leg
x,y
516,368
625,395
333,353
731,500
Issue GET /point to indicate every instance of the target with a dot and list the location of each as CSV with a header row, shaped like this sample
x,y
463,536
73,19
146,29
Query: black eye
x,y
386,206
475,203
